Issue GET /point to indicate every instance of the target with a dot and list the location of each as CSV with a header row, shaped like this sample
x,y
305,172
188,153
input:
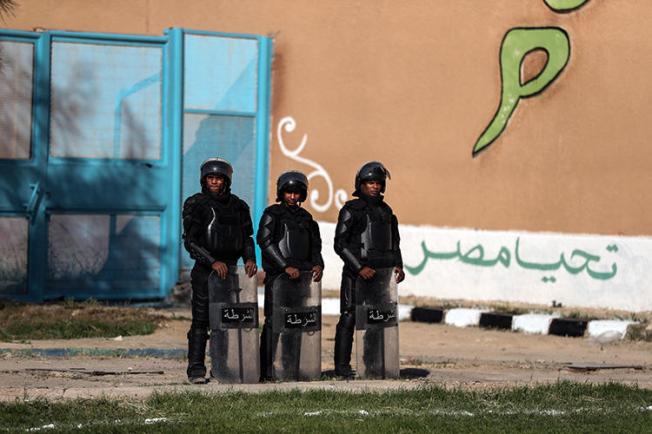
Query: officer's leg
x,y
345,327
291,357
198,333
268,340
374,353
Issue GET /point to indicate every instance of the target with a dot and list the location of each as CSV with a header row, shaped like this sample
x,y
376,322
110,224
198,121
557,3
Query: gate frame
x,y
171,155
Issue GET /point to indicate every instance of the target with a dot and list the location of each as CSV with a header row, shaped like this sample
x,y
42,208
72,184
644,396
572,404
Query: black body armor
x,y
288,236
216,227
367,235
224,233
376,240
217,230
295,244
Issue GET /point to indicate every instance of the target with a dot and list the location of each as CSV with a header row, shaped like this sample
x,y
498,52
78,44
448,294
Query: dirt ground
x,y
430,354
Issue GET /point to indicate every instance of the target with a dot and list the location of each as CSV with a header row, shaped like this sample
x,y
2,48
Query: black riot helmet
x,y
292,181
371,171
217,166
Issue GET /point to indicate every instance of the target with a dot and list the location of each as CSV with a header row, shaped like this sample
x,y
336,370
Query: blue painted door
x,y
102,139
92,198
109,177
21,163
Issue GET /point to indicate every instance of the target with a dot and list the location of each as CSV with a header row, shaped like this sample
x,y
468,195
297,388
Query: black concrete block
x,y
427,314
568,327
496,320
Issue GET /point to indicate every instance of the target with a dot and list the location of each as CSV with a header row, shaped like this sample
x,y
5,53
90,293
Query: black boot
x,y
344,345
197,338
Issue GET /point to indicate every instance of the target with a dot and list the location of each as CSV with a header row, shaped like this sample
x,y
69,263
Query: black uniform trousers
x,y
346,324
373,338
268,338
198,333
269,341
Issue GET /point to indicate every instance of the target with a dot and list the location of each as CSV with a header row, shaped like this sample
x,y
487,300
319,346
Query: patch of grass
x,y
639,332
562,407
576,314
414,361
72,320
82,415
179,354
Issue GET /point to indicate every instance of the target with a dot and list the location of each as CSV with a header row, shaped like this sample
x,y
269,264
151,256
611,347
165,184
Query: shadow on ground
x,y
405,374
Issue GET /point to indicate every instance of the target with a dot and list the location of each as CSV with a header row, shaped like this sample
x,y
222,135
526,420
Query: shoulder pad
x,y
356,204
238,203
386,206
192,201
267,217
305,213
243,204
274,209
345,214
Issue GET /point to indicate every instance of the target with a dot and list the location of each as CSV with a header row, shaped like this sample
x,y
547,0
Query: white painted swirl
x,y
288,124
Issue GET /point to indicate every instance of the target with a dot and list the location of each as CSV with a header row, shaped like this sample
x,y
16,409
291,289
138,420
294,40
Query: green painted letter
x,y
516,45
564,5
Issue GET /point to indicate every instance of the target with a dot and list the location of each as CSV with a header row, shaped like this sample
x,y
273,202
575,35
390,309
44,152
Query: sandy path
x,y
430,354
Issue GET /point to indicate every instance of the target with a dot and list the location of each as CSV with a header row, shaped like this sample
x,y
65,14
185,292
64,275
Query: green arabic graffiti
x,y
517,44
563,6
577,262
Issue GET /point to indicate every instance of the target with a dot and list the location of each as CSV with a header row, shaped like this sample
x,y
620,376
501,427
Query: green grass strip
x,y
562,407
72,320
162,353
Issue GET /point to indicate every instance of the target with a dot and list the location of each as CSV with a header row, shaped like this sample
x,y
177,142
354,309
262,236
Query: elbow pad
x,y
265,237
200,254
351,260
273,253
344,223
248,252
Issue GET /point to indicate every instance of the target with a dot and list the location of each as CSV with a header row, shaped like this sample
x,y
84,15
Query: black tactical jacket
x,y
288,237
217,229
367,235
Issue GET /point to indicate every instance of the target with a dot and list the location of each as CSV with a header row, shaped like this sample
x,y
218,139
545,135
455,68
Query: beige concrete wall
x,y
414,83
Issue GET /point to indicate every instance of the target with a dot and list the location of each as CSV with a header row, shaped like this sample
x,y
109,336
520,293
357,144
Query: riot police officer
x,y
217,231
366,238
290,244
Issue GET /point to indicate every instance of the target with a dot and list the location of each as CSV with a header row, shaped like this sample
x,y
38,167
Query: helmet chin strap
x,y
222,193
216,194
299,203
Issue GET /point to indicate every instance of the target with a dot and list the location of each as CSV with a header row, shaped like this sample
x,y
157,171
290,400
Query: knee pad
x,y
198,330
347,320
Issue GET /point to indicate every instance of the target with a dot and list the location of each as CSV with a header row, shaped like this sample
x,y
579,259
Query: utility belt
x,y
231,262
375,256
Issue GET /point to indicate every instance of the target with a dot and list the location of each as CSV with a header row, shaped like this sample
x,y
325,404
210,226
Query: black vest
x,y
294,239
376,238
225,232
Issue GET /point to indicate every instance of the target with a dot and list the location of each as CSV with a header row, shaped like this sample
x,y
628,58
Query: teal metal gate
x,y
102,138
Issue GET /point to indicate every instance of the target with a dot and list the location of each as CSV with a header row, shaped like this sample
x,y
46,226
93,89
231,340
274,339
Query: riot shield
x,y
296,328
233,315
376,325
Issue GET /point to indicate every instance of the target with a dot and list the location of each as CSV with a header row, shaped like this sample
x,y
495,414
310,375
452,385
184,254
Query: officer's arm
x,y
192,230
397,242
316,244
265,241
248,250
342,234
